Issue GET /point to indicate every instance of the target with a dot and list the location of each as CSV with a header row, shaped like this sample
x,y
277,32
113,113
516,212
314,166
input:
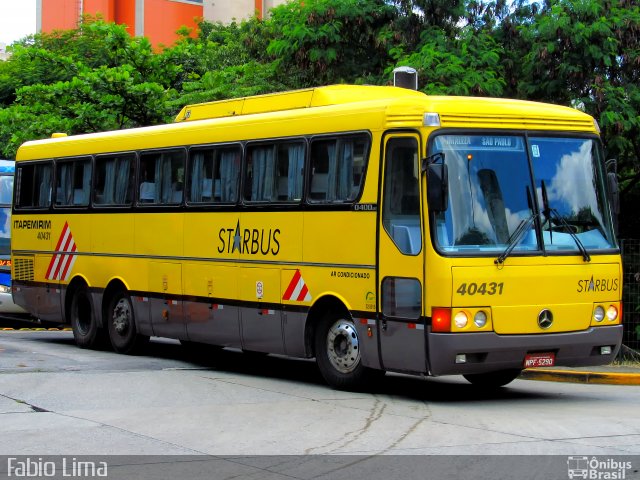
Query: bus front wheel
x,y
83,322
121,324
338,354
493,379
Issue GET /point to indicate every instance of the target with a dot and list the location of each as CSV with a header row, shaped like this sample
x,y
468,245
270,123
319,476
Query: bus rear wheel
x,y
338,355
493,379
121,324
84,324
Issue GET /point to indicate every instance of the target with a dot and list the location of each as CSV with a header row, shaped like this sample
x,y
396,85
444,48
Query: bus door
x,y
401,257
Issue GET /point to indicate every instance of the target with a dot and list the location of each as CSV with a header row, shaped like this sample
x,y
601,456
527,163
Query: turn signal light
x,y
441,319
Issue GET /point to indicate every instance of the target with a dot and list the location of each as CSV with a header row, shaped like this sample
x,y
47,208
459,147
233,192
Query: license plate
x,y
533,360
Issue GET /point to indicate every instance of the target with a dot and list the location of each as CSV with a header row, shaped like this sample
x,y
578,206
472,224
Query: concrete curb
x,y
576,376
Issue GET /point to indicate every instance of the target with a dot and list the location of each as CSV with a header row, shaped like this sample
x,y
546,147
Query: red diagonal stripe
x,y
64,231
303,293
66,248
51,264
69,261
292,286
57,256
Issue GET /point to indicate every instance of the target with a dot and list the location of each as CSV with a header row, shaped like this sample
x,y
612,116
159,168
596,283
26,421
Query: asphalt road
x,y
56,399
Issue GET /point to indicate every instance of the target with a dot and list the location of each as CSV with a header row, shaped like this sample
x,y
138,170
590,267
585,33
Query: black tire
x,y
338,354
121,324
84,324
493,379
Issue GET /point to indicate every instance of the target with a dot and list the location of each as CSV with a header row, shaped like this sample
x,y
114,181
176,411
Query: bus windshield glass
x,y
504,187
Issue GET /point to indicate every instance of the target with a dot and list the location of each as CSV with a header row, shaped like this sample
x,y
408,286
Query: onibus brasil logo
x,y
595,468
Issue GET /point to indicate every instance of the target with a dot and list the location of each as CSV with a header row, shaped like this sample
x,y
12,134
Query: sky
x,y
17,19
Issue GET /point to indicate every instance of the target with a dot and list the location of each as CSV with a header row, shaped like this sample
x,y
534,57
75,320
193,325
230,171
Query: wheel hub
x,y
343,348
121,316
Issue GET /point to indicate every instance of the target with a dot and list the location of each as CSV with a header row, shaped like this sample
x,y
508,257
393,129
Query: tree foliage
x,y
581,53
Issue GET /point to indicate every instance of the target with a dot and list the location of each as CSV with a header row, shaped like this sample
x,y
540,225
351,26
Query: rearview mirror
x,y
437,187
614,191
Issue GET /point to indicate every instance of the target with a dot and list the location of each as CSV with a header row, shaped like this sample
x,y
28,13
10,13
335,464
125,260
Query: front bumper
x,y
488,351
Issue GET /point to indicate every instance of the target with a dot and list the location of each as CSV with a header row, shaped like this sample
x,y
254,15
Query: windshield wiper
x,y
515,238
522,227
551,213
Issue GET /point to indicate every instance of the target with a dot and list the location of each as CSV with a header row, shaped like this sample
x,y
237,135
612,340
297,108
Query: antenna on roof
x,y
405,77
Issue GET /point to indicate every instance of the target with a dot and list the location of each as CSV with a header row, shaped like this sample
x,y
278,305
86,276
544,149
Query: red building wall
x,y
106,8
59,14
162,18
125,14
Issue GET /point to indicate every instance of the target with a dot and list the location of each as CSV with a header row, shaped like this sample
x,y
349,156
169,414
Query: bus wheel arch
x,y
332,332
119,319
81,314
319,309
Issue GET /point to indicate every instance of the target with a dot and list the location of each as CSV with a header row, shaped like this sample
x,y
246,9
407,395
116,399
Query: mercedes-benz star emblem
x,y
545,319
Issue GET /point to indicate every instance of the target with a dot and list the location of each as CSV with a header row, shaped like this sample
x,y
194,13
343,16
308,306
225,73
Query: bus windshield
x,y
502,188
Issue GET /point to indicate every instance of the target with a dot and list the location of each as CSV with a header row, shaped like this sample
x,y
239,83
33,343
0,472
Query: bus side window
x,y
213,174
73,182
161,180
337,168
275,172
34,185
113,180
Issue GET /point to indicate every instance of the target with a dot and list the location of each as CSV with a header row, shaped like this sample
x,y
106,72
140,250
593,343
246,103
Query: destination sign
x,y
479,142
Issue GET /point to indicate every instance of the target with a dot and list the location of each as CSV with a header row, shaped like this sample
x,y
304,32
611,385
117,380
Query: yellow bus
x,y
373,228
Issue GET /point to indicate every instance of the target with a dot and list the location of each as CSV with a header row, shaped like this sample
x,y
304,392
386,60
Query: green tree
x,y
465,64
585,53
90,79
318,42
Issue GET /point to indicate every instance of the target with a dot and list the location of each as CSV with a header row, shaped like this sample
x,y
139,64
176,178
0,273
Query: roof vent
x,y
405,77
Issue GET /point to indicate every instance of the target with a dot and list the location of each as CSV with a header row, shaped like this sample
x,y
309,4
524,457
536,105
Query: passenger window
x,y
275,172
34,185
161,177
73,182
337,168
214,173
401,201
114,180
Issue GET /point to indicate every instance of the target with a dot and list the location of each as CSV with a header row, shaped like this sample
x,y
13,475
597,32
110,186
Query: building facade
x,y
158,20
226,11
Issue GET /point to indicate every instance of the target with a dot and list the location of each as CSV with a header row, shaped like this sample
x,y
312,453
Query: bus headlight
x,y
598,314
480,319
461,319
612,313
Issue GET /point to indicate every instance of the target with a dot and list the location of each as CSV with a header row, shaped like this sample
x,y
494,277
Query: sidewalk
x,y
624,374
